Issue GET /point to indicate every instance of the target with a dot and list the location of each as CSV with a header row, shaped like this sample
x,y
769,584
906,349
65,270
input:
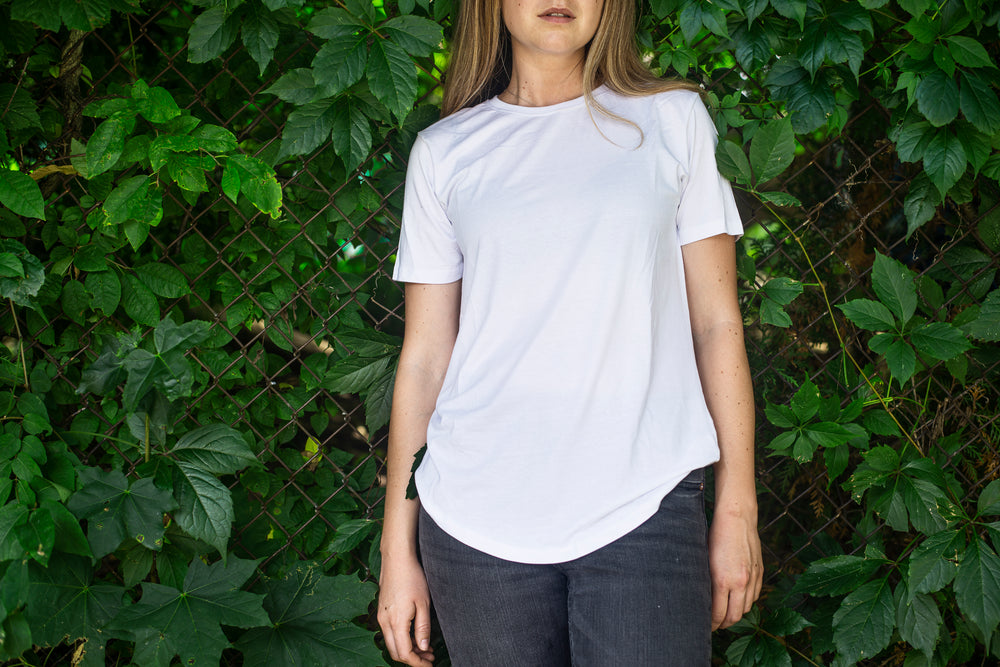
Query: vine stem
x,y
105,436
20,344
833,319
784,642
147,440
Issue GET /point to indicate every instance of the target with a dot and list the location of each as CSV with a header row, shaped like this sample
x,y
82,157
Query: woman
x,y
573,358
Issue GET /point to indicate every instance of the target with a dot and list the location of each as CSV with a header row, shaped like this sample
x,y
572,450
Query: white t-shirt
x,y
572,402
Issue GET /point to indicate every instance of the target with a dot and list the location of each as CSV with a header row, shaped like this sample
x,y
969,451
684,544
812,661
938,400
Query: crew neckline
x,y
497,103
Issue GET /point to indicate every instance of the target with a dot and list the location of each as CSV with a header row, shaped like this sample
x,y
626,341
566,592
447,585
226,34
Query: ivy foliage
x,y
192,234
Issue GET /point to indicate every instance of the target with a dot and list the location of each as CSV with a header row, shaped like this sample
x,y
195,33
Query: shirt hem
x,y
641,510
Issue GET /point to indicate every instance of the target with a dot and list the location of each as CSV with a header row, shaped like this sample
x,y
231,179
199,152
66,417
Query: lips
x,y
558,12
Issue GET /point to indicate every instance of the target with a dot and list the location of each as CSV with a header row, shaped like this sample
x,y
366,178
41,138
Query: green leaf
x,y
230,181
334,22
945,160
38,535
20,290
810,103
968,52
779,198
792,9
11,266
392,77
307,127
989,499
419,36
169,336
901,359
863,624
260,35
918,619
114,510
163,280
210,35
137,563
310,616
805,402
351,131
894,285
979,103
732,161
830,41
836,575
21,194
943,59
780,415
188,620
785,622
937,98
105,291
913,139
296,86
68,605
12,517
977,586
772,150
205,505
188,171
105,146
69,536
921,202
354,374
259,184
155,104
935,562
215,448
986,326
868,314
139,302
939,340
214,139
340,63
378,400
20,110
975,144
828,434
127,200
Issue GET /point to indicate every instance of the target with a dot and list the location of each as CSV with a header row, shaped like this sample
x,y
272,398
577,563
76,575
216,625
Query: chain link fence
x,y
282,291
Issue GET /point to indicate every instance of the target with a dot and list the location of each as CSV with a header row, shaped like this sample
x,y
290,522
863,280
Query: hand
x,y
736,566
404,611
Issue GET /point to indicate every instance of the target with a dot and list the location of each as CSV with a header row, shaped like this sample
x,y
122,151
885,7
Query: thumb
x,y
422,627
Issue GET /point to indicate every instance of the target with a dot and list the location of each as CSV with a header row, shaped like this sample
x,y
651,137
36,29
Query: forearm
x,y
725,379
414,396
431,328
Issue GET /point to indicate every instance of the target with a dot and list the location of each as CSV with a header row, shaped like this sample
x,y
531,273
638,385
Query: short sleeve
x,y
707,206
428,249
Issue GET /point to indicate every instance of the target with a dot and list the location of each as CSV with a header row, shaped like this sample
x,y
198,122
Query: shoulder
x,y
679,104
458,126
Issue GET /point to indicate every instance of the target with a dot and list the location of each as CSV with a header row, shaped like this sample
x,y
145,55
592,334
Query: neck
x,y
538,82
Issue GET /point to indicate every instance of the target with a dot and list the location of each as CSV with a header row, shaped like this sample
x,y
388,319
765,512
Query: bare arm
x,y
717,327
429,337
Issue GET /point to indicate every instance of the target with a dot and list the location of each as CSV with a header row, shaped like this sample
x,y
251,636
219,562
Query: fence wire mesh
x,y
307,280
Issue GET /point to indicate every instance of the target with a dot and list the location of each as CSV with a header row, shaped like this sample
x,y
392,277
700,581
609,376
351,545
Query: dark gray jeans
x,y
641,601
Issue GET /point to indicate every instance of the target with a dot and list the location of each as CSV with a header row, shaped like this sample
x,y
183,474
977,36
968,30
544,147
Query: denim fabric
x,y
643,600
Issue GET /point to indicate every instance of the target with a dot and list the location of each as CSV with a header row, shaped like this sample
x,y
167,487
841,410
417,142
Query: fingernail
x,y
424,644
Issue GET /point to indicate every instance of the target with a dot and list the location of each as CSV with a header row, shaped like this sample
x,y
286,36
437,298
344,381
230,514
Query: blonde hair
x,y
481,58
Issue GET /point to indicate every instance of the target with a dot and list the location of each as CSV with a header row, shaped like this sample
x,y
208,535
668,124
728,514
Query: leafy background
x,y
199,204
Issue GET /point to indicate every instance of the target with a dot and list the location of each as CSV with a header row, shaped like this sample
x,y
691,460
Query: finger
x,y
720,600
390,643
422,627
402,640
734,611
